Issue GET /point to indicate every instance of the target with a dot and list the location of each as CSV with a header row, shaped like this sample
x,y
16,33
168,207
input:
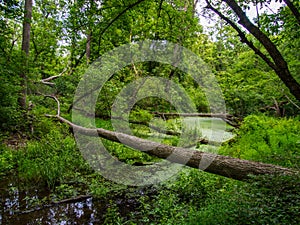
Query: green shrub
x,y
266,200
6,160
10,115
267,139
141,115
51,159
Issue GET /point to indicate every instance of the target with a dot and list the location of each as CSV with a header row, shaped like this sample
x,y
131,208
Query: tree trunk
x,y
217,164
88,47
26,26
216,115
25,49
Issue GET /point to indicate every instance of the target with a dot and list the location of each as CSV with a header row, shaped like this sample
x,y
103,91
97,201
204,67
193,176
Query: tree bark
x,y
26,26
221,165
25,49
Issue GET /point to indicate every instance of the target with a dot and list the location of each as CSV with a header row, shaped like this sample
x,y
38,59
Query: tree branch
x,y
117,17
281,66
293,9
257,33
290,100
46,80
230,119
242,35
58,104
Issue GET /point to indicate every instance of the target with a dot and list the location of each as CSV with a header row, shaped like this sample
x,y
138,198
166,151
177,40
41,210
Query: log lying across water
x,y
230,119
218,164
215,115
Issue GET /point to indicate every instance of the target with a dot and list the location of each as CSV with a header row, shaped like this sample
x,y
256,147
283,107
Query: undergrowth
x,y
267,139
192,197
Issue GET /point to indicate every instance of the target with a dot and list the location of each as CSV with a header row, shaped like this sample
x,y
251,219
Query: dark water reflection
x,y
85,212
16,207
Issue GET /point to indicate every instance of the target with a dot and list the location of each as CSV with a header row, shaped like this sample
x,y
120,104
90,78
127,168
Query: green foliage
x,y
50,157
267,139
10,116
165,209
249,86
99,189
267,200
39,123
191,187
126,154
283,28
64,191
141,115
195,197
177,200
50,160
6,160
112,215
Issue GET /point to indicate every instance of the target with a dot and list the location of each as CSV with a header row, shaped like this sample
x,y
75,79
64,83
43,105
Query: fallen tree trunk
x,y
230,119
158,129
216,115
218,164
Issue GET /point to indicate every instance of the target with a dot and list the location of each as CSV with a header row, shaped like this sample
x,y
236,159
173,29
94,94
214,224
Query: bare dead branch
x,y
46,80
57,101
229,119
291,101
216,115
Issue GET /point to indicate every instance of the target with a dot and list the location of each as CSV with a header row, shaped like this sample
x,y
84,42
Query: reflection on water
x,y
16,208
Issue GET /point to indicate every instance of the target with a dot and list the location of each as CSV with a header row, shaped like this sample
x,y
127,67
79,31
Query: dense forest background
x,y
46,47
